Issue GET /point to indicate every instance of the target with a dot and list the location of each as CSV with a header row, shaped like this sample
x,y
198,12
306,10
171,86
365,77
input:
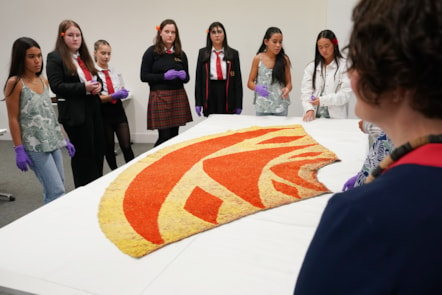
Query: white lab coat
x,y
335,88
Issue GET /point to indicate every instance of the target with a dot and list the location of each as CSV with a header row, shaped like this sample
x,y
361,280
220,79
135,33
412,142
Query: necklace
x,y
401,151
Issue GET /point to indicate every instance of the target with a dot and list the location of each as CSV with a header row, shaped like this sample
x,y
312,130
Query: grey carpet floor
x,y
25,187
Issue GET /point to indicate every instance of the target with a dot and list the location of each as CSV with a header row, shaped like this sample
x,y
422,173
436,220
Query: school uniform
x,y
168,105
218,95
80,114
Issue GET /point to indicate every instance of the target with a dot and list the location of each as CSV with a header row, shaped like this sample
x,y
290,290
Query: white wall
x,y
129,26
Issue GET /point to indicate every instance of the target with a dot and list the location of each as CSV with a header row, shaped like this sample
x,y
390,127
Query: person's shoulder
x,y
149,52
53,53
203,52
287,58
310,65
258,58
11,85
234,51
150,49
45,80
13,79
342,61
113,69
355,201
369,197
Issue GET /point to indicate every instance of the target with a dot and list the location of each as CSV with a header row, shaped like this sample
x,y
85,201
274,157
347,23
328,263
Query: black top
x,y
153,67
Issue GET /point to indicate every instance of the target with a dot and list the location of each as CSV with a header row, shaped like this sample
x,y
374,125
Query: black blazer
x,y
234,90
72,99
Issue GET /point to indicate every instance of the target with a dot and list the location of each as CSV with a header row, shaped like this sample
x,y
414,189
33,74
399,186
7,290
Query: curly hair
x,y
397,44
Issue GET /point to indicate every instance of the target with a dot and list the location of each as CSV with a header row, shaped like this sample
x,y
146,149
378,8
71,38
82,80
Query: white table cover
x,y
60,248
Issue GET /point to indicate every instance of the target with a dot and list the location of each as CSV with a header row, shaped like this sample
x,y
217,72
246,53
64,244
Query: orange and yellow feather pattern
x,y
196,185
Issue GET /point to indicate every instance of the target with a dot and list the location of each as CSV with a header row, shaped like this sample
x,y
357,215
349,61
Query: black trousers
x,y
88,140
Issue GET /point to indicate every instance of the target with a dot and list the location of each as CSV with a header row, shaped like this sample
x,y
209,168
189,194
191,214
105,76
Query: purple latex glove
x,y
181,75
350,183
262,90
21,158
198,110
170,75
122,93
238,111
70,147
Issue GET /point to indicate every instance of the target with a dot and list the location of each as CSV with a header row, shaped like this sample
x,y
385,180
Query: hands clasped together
x,y
94,87
173,74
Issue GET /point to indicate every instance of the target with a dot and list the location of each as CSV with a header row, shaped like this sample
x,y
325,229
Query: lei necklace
x,y
401,151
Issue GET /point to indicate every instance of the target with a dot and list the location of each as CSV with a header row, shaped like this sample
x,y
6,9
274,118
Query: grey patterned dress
x,y
38,123
274,103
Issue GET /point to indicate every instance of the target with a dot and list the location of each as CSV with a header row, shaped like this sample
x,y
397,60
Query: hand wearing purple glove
x,y
122,93
262,90
350,183
170,75
70,147
181,75
198,110
21,158
238,111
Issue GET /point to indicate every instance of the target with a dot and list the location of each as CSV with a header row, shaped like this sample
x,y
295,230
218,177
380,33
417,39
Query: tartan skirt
x,y
168,108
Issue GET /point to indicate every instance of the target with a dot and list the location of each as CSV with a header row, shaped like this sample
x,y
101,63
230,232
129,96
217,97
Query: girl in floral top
x,y
36,134
270,76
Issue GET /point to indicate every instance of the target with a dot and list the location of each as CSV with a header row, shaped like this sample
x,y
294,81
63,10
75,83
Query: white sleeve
x,y
342,93
307,88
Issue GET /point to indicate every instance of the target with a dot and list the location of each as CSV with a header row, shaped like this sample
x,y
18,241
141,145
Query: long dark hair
x,y
278,72
327,34
66,55
228,52
18,57
159,45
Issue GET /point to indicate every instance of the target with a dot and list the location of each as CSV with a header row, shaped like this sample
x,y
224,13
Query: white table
x,y
60,249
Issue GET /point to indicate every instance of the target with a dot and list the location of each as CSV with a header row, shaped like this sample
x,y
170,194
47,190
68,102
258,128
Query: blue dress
x,y
382,237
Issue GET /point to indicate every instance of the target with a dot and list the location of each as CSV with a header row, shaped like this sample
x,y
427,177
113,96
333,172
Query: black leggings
x,y
123,136
166,134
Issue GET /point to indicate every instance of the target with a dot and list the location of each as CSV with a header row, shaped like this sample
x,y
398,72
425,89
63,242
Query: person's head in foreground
x,y
383,237
395,55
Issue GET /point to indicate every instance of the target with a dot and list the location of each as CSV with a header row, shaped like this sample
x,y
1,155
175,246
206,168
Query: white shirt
x,y
332,87
213,75
117,80
80,70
